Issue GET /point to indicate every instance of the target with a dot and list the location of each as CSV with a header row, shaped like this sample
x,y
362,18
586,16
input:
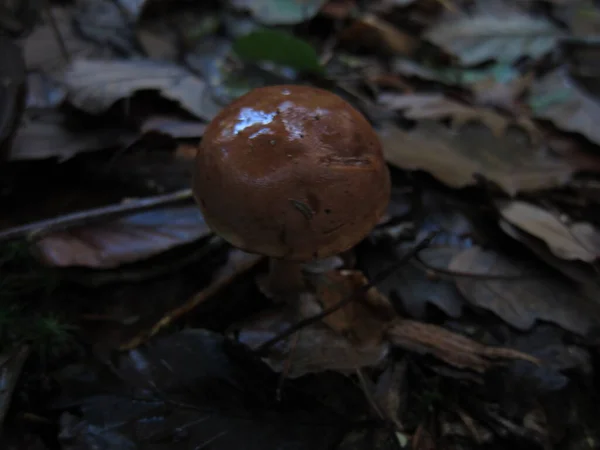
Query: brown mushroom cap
x,y
291,172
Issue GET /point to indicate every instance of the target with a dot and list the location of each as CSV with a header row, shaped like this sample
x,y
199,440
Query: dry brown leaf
x,y
363,319
456,157
372,32
567,240
96,85
489,92
581,273
129,239
557,98
525,295
452,348
315,348
42,50
496,31
437,106
43,136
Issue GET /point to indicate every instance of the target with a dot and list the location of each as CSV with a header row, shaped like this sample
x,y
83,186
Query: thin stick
x,y
86,217
264,348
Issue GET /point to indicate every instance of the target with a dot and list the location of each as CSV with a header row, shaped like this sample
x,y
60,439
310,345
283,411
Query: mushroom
x,y
291,172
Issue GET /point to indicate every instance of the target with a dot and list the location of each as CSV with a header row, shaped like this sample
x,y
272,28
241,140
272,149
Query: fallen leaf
x,y
457,157
504,35
391,391
362,320
415,290
11,365
95,85
437,106
131,238
196,395
379,34
47,136
530,296
570,241
557,98
237,264
44,52
314,348
489,92
581,273
452,348
12,92
108,24
278,47
280,12
500,73
176,128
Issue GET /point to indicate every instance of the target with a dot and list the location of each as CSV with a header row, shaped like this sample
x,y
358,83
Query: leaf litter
x,y
496,314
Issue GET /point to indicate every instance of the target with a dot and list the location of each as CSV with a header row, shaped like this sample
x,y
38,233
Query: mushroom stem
x,y
285,277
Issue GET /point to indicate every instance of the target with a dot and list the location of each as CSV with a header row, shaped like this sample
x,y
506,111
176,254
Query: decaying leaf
x,y
95,85
44,52
379,34
316,348
557,98
109,23
524,294
281,12
579,272
348,339
504,35
457,157
567,240
12,92
132,238
416,290
361,320
452,348
437,106
47,136
11,365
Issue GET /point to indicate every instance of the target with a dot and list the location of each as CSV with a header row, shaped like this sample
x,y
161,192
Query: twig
x,y
264,348
35,229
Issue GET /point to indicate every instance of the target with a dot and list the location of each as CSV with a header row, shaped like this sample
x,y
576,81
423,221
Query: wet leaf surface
x,y
530,295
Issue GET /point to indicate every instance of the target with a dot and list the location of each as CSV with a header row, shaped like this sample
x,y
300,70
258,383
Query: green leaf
x,y
278,47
